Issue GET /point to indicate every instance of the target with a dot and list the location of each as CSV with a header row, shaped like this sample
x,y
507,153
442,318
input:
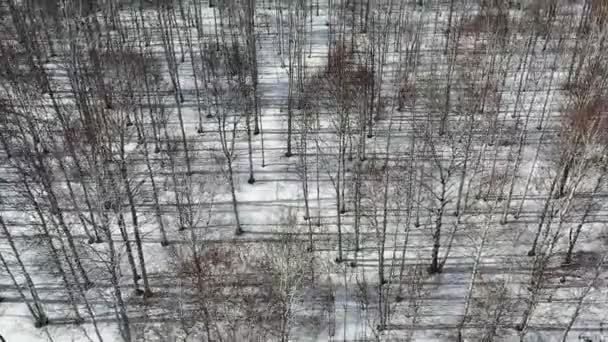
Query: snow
x,y
278,189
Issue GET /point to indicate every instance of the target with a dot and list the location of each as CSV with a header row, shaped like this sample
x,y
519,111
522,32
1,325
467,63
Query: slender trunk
x,y
382,235
115,202
549,86
251,179
463,171
157,210
518,157
581,299
113,265
448,89
75,202
56,209
435,266
338,204
251,40
575,232
543,214
195,81
129,249
71,148
238,229
449,28
174,73
37,309
305,182
135,222
290,88
469,295
357,204
579,33
176,185
53,249
39,319
531,173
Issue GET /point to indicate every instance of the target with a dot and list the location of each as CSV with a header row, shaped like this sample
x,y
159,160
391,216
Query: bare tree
x,y
36,309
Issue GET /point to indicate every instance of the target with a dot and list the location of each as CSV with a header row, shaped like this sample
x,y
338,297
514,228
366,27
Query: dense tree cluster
x,y
272,170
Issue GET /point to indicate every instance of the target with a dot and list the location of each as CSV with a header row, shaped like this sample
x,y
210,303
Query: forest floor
x,y
266,205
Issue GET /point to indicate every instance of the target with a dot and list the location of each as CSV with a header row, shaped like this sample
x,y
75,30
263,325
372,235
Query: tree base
x,y
353,264
148,294
251,180
199,131
41,322
138,292
107,205
89,285
288,154
434,269
338,260
531,253
164,243
238,232
256,132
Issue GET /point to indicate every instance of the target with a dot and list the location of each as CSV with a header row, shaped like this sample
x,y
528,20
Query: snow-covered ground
x,y
436,301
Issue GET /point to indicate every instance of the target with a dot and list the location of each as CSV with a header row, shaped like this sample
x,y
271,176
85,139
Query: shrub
x,y
589,118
